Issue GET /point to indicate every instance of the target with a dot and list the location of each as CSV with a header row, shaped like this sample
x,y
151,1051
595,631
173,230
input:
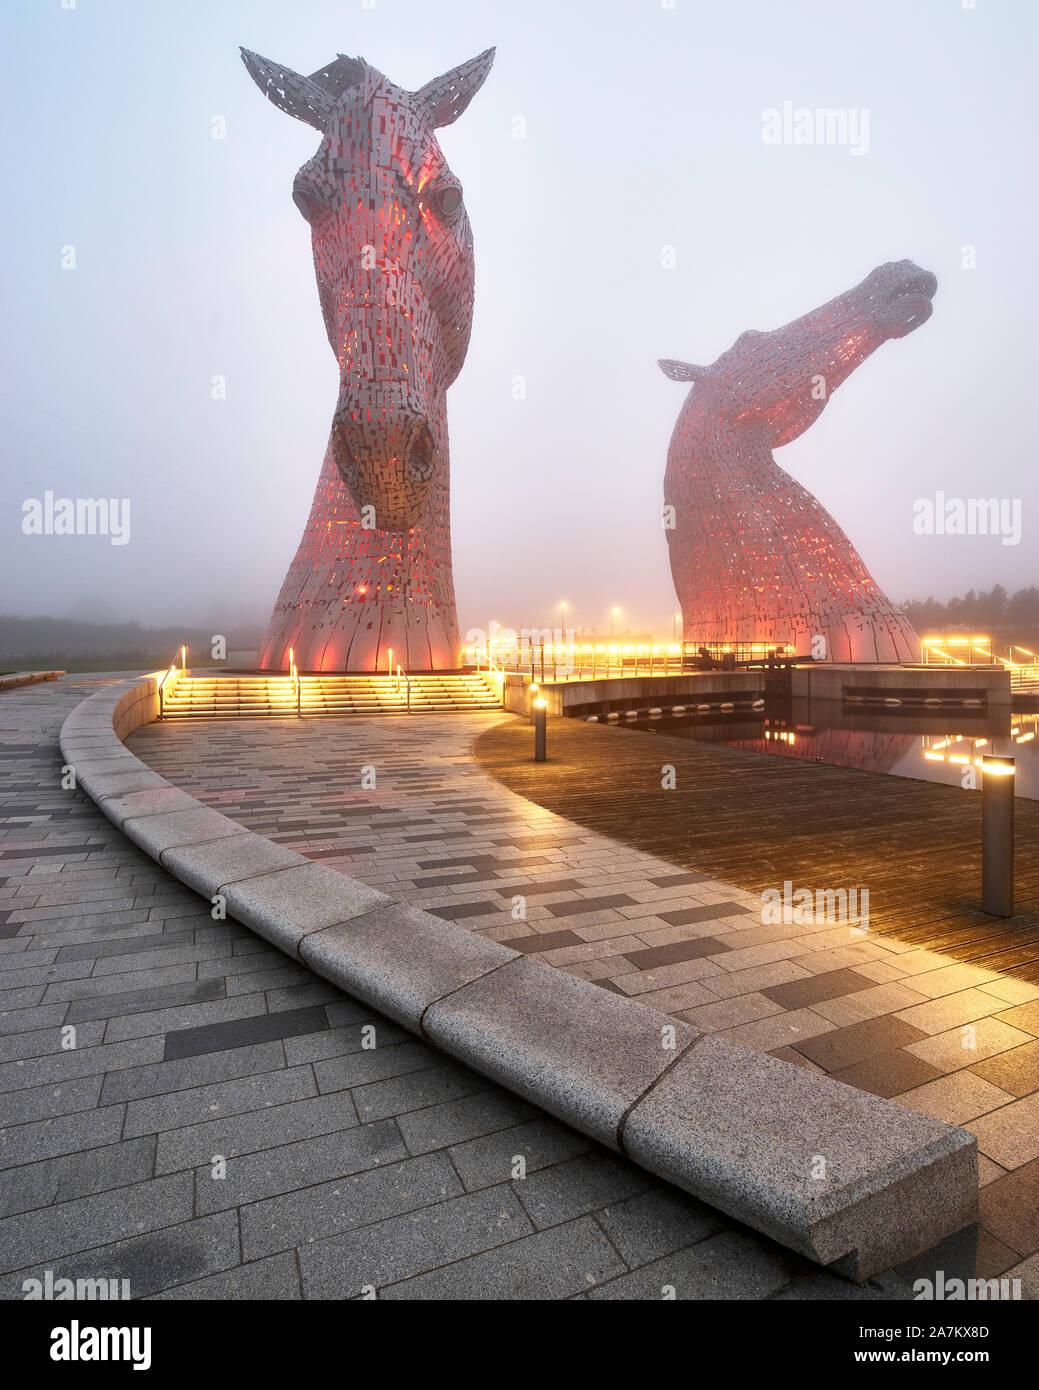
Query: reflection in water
x,y
935,747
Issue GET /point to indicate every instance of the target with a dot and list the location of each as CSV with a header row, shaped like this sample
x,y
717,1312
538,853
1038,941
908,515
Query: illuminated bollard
x,y
534,688
540,723
997,836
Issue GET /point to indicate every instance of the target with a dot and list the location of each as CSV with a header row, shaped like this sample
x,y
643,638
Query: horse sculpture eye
x,y
448,200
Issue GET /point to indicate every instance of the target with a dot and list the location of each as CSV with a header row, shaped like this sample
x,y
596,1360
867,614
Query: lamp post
x,y
534,688
615,613
540,720
997,836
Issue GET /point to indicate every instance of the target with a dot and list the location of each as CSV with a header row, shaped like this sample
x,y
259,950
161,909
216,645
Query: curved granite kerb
x,y
841,1176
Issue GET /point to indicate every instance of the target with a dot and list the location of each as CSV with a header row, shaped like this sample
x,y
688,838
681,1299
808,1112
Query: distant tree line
x,y
983,609
42,643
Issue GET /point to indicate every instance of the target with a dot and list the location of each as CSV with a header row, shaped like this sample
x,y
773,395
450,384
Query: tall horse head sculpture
x,y
393,257
755,557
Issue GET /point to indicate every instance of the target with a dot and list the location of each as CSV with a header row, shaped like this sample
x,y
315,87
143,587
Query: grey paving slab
x,y
559,1263
297,1218
457,1121
122,983
39,1184
403,1246
27,1020
63,1134
153,938
415,1091
336,1042
150,956
288,1167
38,1102
150,1262
286,977
80,1061
143,1001
825,1288
363,1067
89,1221
540,1143
253,1131
301,996
657,1222
726,1266
43,1042
578,1186
240,1032
220,1010
131,1082
275,1279
197,1104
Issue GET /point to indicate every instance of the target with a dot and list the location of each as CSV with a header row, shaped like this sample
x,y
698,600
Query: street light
x,y
534,693
615,614
540,708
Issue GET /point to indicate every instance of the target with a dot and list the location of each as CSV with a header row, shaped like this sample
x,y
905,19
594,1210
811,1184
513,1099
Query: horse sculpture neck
x,y
755,557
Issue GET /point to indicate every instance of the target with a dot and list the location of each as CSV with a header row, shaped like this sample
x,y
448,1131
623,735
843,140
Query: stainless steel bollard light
x,y
997,836
534,688
540,721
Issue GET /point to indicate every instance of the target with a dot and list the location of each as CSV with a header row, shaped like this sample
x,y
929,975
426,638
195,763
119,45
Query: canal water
x,y
942,747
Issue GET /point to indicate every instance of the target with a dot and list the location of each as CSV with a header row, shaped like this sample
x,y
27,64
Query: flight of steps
x,y
210,697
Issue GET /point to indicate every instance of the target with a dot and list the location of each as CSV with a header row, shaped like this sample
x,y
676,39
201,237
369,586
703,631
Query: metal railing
x,y
402,675
1024,675
171,674
1021,663
579,661
296,683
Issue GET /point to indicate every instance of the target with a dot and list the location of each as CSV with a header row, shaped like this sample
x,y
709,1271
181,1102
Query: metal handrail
x,y
403,675
171,671
581,660
496,673
294,677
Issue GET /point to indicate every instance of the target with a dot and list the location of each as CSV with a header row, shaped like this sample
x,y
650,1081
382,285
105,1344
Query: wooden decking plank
x,y
756,820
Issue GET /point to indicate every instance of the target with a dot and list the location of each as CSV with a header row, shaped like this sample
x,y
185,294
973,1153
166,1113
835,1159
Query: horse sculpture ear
x,y
680,371
446,97
296,95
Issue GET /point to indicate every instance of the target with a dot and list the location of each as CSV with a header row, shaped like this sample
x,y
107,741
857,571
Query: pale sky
x,y
643,131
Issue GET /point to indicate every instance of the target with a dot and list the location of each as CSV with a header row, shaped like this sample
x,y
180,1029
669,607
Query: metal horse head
x,y
393,255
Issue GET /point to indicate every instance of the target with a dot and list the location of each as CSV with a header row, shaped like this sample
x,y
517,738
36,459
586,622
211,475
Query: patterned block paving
x,y
871,1010
187,1110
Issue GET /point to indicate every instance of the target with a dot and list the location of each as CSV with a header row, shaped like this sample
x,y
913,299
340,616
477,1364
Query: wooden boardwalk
x,y
756,820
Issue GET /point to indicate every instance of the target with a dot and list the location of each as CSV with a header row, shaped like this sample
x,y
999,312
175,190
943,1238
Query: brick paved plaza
x,y
346,1167
392,1167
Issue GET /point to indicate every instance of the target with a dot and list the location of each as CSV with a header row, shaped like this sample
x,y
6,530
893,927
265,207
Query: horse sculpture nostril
x,y
420,456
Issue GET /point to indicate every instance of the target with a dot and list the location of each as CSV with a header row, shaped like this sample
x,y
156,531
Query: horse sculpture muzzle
x,y
387,462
